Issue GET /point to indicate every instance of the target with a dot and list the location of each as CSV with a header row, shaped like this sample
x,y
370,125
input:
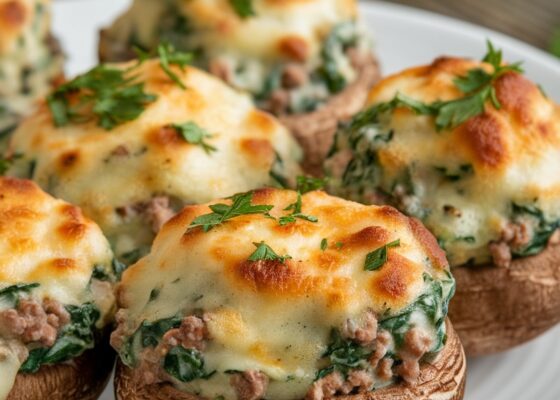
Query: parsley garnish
x,y
243,8
477,86
308,184
324,244
241,205
169,56
194,134
109,94
265,253
377,258
296,213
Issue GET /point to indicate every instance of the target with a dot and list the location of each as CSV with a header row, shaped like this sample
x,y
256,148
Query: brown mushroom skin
x,y
315,130
495,309
445,374
83,378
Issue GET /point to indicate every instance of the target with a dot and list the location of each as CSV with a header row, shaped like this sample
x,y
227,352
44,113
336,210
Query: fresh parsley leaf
x,y
185,364
168,56
296,213
243,8
308,184
110,95
265,253
324,244
194,134
377,258
455,112
241,205
475,79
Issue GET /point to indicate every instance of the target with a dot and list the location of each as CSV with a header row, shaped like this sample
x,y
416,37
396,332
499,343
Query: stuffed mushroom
x,y
473,150
56,298
31,61
281,295
132,144
309,62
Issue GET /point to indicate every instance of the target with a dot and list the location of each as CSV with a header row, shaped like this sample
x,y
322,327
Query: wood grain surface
x,y
533,21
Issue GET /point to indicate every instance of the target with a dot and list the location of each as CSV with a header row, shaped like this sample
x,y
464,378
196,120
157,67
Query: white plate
x,y
405,37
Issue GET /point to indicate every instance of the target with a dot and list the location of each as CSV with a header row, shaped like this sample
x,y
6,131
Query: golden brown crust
x,y
445,375
496,309
315,130
84,378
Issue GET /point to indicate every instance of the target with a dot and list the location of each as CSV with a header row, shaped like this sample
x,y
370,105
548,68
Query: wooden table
x,y
532,21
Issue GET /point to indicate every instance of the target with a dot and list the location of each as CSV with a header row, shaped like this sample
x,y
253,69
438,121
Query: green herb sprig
x,y
110,95
265,253
477,85
243,8
241,205
377,258
296,213
194,134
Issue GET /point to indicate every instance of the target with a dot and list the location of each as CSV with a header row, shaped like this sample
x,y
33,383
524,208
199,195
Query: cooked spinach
x,y
12,294
462,172
73,340
343,355
148,334
185,364
433,303
334,47
542,228
276,172
132,256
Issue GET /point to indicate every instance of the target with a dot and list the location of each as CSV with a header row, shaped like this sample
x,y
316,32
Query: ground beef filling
x,y
156,212
365,332
34,323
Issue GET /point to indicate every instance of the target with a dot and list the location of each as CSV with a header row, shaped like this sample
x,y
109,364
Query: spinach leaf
x,y
344,355
75,338
11,294
152,332
542,229
333,48
185,364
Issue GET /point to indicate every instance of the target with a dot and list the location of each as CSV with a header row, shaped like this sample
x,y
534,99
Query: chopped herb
x,y
265,253
110,95
11,294
324,244
296,213
377,258
194,134
168,56
243,8
339,245
241,205
308,184
275,173
477,86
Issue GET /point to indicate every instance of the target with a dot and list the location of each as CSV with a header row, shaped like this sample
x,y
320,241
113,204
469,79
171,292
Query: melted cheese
x,y
514,153
272,317
49,242
30,60
215,26
82,163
